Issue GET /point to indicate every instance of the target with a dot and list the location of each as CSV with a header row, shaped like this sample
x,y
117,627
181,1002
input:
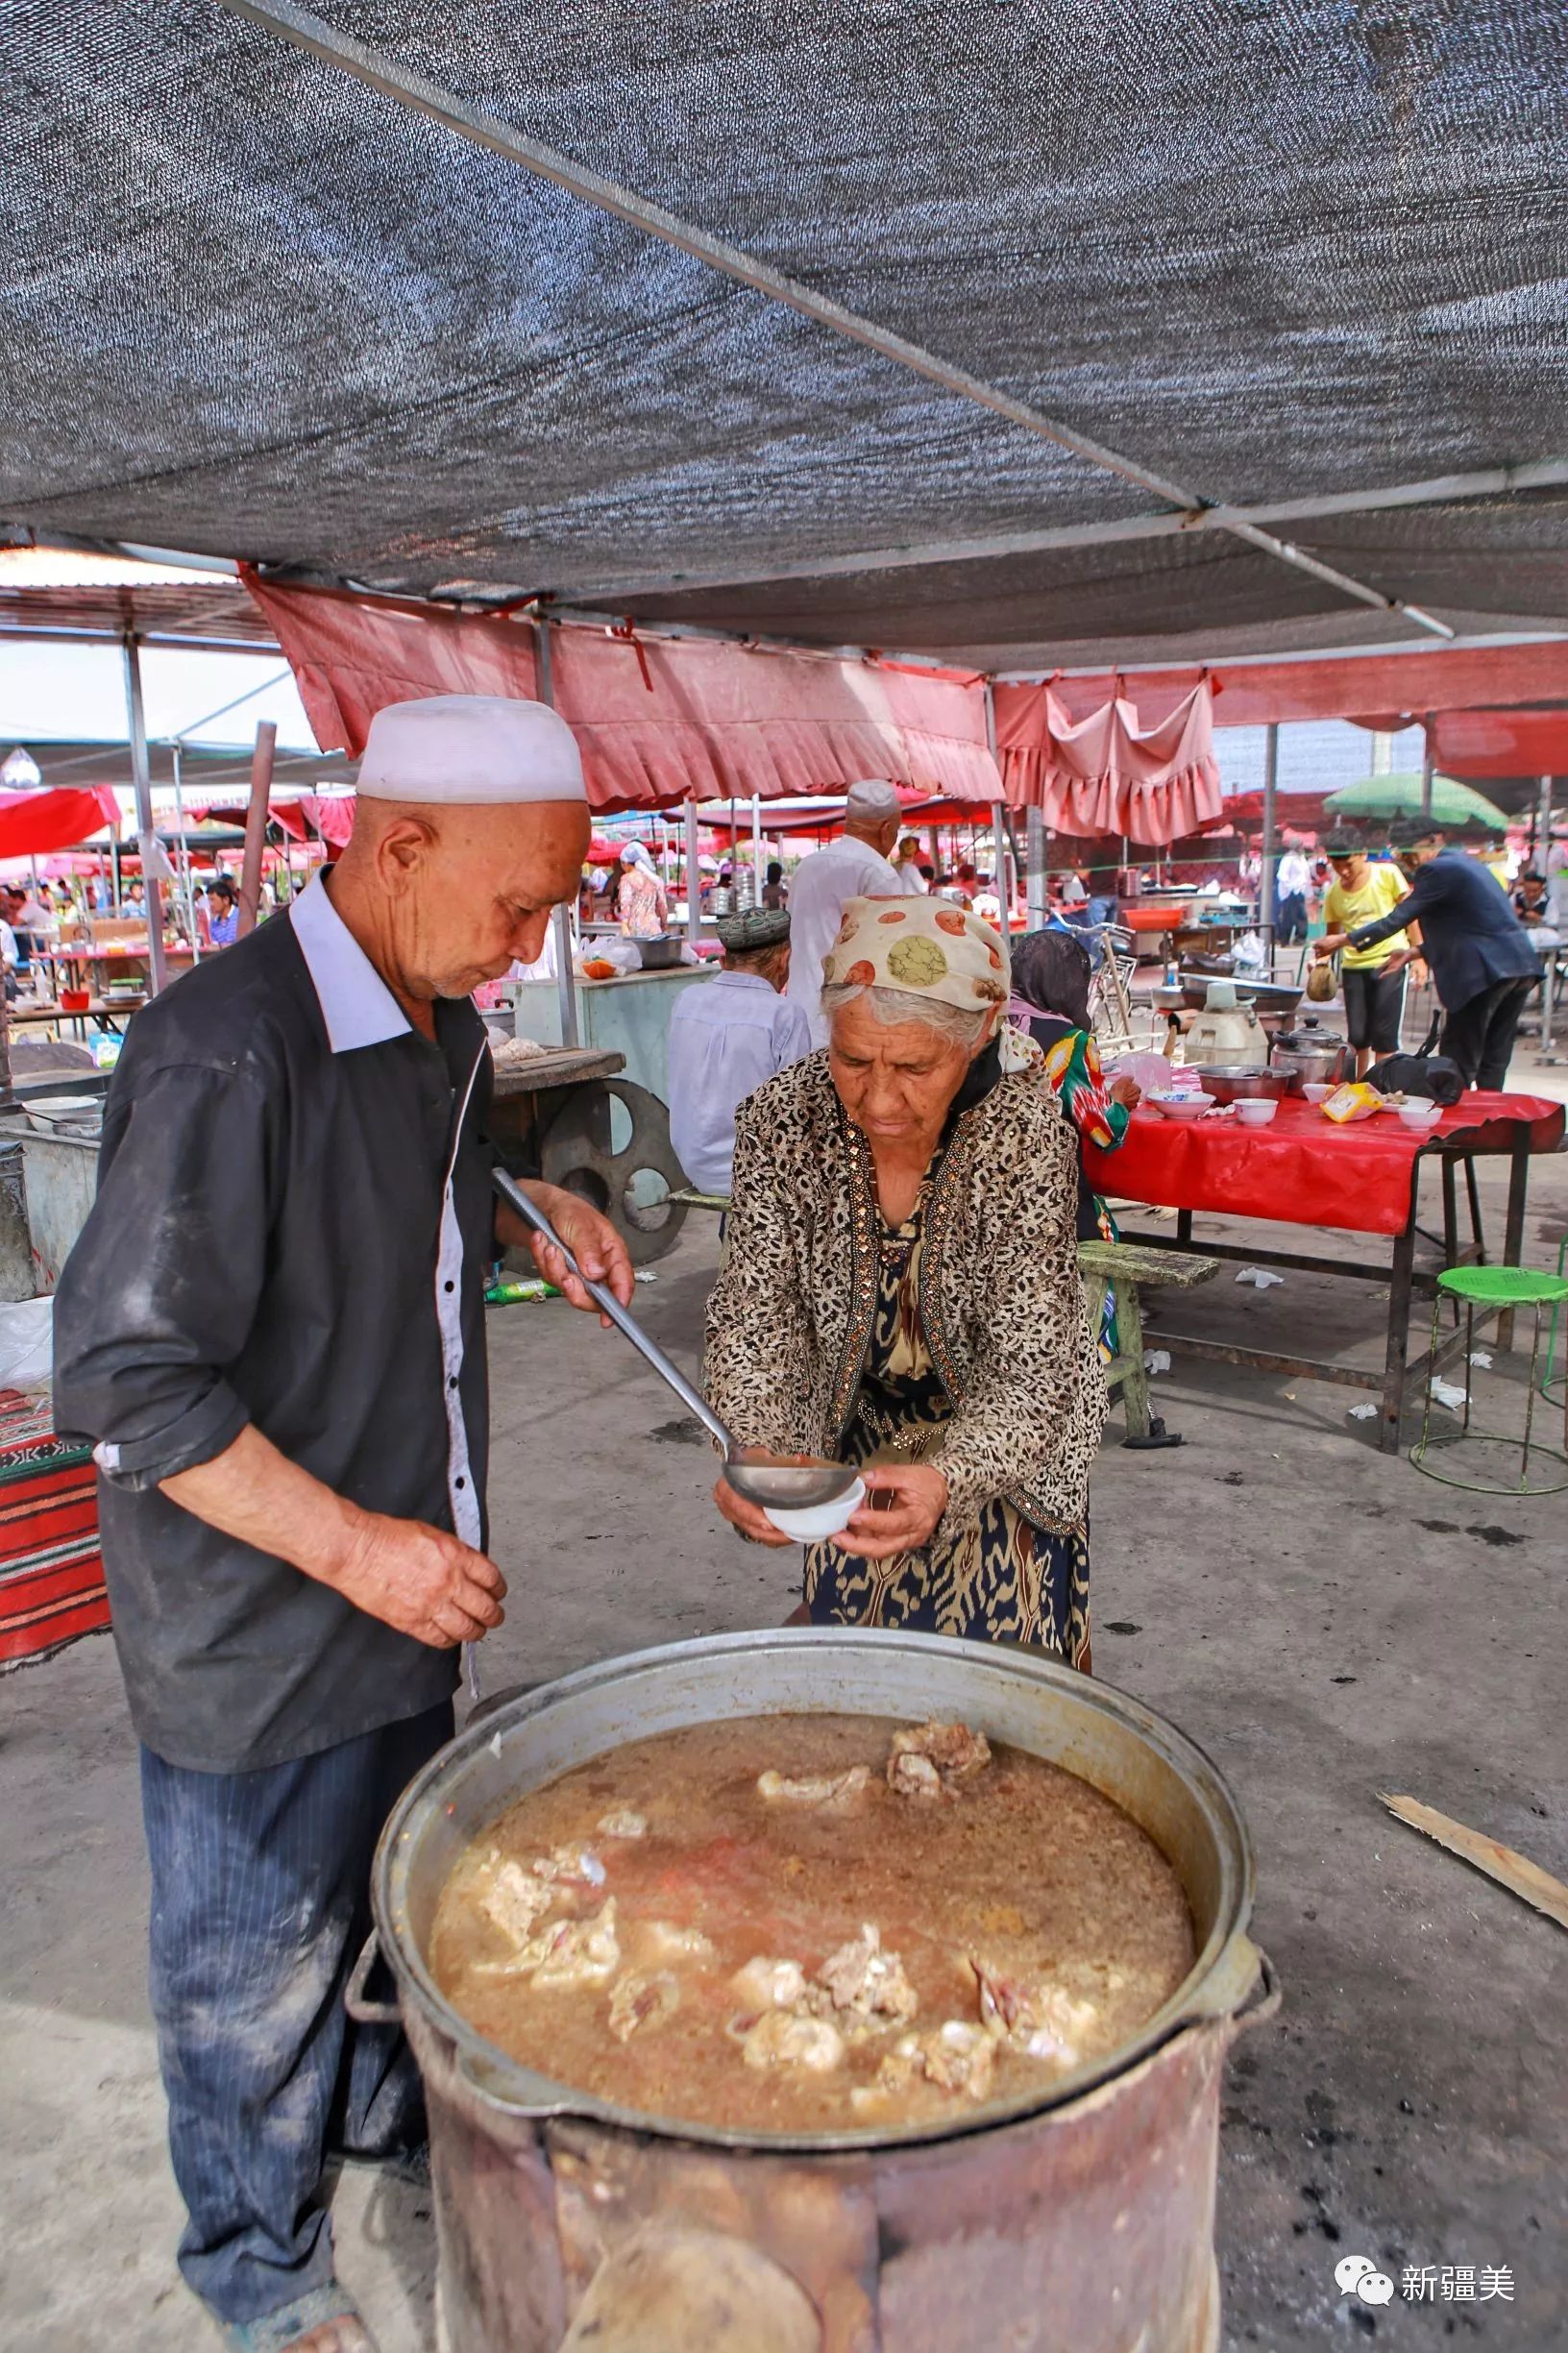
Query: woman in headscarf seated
x,y
901,1291
1050,1002
642,904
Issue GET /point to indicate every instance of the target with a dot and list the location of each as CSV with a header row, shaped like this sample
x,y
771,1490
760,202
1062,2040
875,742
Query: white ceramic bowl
x,y
1255,1113
1419,1115
1181,1106
823,1519
1316,1090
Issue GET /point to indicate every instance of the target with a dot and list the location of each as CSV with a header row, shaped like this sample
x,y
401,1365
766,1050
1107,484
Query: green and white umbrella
x,y
1396,799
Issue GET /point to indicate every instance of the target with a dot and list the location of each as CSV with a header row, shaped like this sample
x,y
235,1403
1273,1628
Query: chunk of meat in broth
x,y
928,1759
1038,2016
575,1952
640,2003
662,1940
621,1823
765,1984
780,2039
868,1983
830,1793
956,2056
513,1899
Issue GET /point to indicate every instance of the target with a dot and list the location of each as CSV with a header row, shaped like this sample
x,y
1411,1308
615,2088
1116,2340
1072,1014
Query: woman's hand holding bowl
x,y
904,1501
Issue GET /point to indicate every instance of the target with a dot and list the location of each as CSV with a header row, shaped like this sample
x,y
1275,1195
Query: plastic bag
x,y
27,1345
622,954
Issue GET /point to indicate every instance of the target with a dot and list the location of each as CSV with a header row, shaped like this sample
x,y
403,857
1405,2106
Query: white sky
x,y
76,694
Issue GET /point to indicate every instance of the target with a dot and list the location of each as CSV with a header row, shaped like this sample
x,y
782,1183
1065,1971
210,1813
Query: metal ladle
x,y
794,1487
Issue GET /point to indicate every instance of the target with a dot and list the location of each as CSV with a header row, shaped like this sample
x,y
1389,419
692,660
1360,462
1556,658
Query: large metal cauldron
x,y
1079,2221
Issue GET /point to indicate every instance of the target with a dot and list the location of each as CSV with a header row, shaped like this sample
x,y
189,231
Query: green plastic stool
x,y
1555,1384
1493,1287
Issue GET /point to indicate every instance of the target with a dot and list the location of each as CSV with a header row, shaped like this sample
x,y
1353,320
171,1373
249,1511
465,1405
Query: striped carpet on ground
x,y
51,1569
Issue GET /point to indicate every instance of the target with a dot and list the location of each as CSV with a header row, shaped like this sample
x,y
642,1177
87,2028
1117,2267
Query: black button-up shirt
x,y
293,1226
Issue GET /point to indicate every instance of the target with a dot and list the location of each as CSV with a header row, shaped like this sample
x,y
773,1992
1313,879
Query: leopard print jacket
x,y
1001,1301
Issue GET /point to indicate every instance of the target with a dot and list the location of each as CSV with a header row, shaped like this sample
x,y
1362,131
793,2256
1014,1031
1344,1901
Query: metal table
x,y
568,1115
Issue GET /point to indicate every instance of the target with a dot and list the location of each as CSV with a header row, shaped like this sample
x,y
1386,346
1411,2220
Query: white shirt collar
x,y
356,1005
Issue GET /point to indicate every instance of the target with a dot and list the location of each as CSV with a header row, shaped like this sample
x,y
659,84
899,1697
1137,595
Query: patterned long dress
x,y
1000,1581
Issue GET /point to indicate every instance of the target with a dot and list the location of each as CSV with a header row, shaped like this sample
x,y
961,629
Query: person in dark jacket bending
x,y
1483,965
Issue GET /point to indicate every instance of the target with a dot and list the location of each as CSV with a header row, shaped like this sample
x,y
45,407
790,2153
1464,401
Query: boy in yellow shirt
x,y
1373,978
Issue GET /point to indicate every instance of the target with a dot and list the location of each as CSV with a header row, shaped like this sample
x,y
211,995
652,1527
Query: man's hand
x,y
748,1517
420,1579
417,1579
1330,944
591,1239
915,1497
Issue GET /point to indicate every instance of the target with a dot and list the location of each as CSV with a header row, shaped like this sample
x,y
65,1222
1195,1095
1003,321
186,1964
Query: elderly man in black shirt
x,y
273,1328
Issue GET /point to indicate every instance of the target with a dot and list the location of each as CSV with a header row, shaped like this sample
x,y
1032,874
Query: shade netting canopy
x,y
1024,335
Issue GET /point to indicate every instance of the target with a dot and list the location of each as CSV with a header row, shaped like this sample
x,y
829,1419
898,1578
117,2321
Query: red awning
x,y
34,823
1337,686
659,721
1494,742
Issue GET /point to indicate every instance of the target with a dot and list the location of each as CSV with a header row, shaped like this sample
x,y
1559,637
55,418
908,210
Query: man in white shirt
x,y
728,1035
856,866
1292,880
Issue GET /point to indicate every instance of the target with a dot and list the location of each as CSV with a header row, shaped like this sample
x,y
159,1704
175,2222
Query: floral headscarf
x,y
923,947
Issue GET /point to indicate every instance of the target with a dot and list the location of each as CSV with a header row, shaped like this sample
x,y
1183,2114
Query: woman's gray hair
x,y
893,1008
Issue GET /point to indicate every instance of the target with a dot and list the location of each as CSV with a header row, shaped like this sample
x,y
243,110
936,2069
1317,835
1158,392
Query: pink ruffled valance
x,y
659,721
1106,773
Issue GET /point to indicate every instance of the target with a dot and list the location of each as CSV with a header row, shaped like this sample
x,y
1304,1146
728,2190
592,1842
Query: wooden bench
x,y
1119,1268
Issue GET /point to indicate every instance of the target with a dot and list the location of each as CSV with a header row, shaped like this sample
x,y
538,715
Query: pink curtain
x,y
659,721
1107,774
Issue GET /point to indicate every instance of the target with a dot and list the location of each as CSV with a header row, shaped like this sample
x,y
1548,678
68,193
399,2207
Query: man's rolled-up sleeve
x,y
159,1294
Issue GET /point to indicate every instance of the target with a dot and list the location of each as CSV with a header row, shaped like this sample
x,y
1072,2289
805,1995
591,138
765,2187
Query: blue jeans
x,y
260,1903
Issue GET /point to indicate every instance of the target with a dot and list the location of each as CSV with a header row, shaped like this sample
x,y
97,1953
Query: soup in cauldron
x,y
807,1923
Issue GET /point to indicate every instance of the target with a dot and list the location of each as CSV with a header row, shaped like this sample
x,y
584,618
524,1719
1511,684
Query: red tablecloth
x,y
1301,1169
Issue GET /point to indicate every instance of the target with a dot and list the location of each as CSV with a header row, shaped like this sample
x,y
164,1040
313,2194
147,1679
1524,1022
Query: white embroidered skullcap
x,y
871,802
448,748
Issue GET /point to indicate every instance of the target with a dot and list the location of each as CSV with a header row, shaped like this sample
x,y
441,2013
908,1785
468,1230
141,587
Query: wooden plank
x,y
1130,1261
1516,1872
557,1067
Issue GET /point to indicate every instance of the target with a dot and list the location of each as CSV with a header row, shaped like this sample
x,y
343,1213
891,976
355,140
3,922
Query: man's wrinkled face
x,y
471,890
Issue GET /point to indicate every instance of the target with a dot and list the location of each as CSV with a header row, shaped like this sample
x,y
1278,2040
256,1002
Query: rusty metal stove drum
x,y
1080,2220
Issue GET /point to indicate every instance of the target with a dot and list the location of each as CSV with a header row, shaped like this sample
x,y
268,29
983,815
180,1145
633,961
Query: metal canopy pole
x,y
158,971
1265,882
1034,834
1543,868
694,878
756,850
565,981
1426,768
320,40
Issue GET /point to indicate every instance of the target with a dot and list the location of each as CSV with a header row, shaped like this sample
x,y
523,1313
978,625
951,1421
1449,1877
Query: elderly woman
x,y
901,1291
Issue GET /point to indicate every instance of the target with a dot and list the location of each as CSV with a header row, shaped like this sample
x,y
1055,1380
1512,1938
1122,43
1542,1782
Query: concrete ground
x,y
1325,1622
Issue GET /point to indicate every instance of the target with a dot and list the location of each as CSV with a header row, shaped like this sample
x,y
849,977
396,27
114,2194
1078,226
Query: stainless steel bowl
x,y
1240,1082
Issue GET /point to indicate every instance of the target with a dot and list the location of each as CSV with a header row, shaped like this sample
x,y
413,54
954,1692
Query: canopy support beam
x,y
313,33
157,973
1544,474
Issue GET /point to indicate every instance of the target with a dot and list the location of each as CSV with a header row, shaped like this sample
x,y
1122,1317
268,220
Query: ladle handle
x,y
692,1399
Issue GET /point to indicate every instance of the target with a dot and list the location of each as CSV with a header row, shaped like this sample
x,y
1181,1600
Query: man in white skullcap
x,y
273,1328
857,865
